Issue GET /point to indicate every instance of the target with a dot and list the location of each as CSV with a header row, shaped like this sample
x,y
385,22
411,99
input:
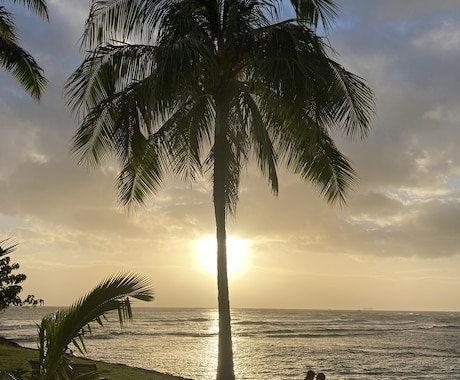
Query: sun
x,y
237,254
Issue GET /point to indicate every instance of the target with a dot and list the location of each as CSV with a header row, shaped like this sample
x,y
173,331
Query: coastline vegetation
x,y
10,281
68,326
14,356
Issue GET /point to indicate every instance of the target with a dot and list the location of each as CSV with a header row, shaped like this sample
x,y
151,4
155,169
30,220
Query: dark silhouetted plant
x,y
10,282
13,58
69,326
200,87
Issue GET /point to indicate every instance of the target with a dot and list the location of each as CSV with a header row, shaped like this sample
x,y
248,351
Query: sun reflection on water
x,y
212,332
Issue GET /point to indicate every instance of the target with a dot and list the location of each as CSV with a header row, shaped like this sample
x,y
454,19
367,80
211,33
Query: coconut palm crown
x,y
202,87
13,58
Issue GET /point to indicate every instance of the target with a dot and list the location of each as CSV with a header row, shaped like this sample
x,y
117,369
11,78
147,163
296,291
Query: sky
x,y
395,246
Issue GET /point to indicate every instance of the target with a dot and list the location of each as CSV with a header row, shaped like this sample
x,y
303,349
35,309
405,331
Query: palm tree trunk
x,y
225,349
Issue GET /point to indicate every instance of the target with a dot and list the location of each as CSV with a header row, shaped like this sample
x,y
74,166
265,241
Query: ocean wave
x,y
445,326
139,334
277,344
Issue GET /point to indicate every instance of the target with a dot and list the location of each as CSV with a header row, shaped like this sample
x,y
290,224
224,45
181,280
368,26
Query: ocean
x,y
271,344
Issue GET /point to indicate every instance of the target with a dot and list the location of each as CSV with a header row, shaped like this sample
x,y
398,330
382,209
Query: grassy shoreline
x,y
13,355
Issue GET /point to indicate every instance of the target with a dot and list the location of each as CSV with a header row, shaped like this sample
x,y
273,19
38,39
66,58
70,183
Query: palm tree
x,y
202,86
15,59
58,331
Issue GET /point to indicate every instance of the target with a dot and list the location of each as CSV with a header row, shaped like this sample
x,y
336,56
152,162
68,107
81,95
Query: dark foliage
x,y
10,282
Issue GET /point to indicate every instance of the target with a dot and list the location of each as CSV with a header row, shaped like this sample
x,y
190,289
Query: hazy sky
x,y
395,246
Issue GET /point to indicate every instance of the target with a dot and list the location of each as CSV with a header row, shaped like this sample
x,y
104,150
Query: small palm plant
x,y
58,331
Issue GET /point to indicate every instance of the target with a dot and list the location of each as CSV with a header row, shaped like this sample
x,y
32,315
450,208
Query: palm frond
x,y
39,7
122,20
106,70
331,171
141,174
110,86
15,59
6,247
110,20
68,326
7,26
308,150
190,132
352,102
248,115
22,66
315,11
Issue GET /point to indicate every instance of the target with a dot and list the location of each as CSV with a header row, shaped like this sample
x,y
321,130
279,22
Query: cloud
x,y
444,39
402,217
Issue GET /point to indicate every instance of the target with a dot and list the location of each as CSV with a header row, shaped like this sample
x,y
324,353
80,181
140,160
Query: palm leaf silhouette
x,y
58,331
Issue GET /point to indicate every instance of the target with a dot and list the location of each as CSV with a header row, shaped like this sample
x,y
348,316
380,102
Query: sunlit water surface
x,y
271,344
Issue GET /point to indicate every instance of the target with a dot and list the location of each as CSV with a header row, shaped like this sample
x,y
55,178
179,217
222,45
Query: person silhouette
x,y
320,376
310,375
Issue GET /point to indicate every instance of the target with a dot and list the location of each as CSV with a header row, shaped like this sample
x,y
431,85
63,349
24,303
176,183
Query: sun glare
x,y
237,252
